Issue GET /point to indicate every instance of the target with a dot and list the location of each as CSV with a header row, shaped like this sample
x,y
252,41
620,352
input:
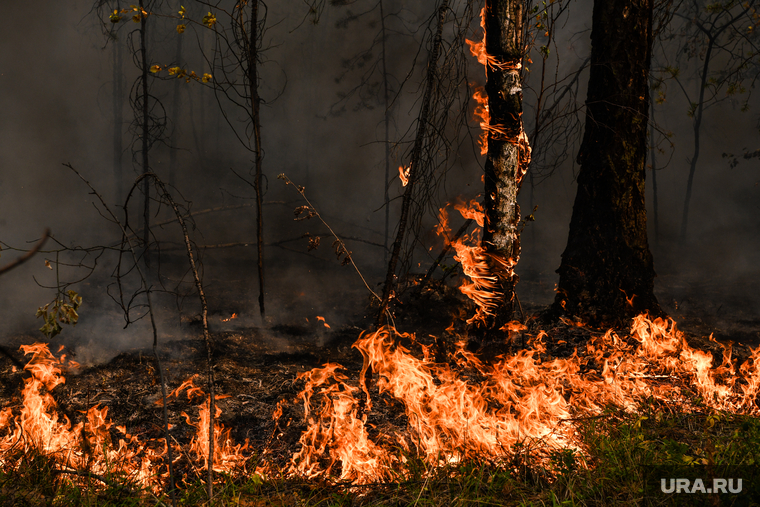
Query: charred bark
x,y
607,273
508,153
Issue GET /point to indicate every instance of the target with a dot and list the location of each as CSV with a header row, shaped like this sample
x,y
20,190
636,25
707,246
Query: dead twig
x,y
341,246
27,255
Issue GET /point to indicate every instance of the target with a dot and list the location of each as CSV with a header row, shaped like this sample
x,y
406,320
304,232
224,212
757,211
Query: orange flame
x,y
403,174
482,115
228,456
520,397
322,319
478,50
86,445
478,265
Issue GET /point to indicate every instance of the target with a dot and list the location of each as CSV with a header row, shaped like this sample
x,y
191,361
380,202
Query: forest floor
x,y
257,366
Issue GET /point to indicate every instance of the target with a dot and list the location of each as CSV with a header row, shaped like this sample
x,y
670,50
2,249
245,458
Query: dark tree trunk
x,y
145,133
386,102
118,112
508,153
607,273
653,164
253,83
175,115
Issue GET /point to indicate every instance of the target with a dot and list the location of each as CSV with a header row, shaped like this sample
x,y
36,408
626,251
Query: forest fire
x,y
85,445
464,408
89,445
417,376
524,397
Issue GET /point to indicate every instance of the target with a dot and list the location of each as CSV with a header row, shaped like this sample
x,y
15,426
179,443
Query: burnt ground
x,y
257,365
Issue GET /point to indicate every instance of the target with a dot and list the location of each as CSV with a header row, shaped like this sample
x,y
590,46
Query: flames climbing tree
x,y
508,153
607,274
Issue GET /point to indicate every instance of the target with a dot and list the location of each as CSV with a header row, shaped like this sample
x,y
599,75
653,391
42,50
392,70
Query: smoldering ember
x,y
377,252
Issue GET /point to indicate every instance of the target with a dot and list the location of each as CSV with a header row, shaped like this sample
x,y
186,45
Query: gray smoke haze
x,y
56,94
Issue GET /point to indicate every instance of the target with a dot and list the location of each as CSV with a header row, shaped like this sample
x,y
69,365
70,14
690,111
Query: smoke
x,y
325,132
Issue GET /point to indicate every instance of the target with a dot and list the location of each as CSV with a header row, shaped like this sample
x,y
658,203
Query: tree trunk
x,y
175,115
508,153
145,133
118,109
253,83
653,164
386,102
607,274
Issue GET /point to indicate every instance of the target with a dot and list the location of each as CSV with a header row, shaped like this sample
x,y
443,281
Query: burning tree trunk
x,y
607,274
508,155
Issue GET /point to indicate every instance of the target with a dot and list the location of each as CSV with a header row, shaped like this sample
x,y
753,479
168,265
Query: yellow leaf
x,y
47,263
155,68
180,28
209,20
182,10
173,70
206,78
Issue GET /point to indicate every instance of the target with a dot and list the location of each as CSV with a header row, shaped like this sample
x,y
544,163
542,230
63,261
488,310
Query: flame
x,y
403,174
478,50
89,445
85,445
228,456
481,111
478,265
482,115
522,397
322,320
519,398
471,210
336,429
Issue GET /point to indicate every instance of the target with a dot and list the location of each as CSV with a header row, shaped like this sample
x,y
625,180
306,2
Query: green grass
x,y
607,471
